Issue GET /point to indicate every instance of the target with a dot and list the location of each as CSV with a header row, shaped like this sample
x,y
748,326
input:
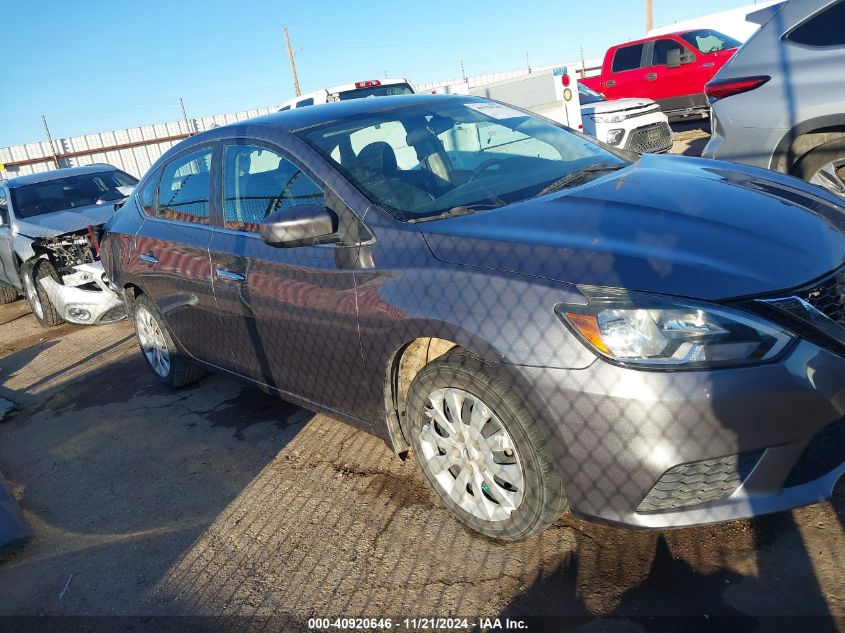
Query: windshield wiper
x,y
578,176
457,211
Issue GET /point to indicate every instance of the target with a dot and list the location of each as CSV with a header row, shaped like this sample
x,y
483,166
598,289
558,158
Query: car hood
x,y
52,224
616,105
672,225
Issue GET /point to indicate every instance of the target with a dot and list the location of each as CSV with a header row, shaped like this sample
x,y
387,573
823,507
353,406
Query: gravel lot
x,y
220,500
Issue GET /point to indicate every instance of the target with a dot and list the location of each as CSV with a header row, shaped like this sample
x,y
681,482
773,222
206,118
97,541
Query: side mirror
x,y
302,225
4,216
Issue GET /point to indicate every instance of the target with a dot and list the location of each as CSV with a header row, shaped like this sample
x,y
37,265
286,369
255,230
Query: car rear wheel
x,y
825,166
168,364
31,275
481,450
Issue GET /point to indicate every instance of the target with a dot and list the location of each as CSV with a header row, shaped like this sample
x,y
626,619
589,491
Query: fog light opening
x,y
80,314
614,137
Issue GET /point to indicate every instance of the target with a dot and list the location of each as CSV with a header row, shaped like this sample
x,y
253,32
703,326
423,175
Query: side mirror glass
x,y
301,225
4,216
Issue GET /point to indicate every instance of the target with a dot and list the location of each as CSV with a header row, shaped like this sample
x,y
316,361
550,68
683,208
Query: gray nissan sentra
x,y
545,323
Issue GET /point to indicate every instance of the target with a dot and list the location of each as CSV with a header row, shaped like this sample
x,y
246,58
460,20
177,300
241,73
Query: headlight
x,y
653,331
608,118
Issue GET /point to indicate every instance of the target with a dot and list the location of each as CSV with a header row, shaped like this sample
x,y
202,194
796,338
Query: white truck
x,y
356,90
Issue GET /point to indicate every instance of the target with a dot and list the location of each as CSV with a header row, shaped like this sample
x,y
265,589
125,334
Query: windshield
x,y
425,160
375,91
71,192
708,41
588,96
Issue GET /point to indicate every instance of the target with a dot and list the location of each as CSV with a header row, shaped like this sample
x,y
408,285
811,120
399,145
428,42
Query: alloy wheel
x,y
831,176
471,455
153,343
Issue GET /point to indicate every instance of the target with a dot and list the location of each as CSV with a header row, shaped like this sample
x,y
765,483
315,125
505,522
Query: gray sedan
x,y
544,323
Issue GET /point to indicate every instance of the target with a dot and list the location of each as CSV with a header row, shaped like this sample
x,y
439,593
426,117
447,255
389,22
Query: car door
x,y
671,72
8,267
289,314
171,253
627,76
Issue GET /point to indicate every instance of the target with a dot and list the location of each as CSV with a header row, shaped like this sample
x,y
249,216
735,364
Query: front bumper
x,y
648,448
85,297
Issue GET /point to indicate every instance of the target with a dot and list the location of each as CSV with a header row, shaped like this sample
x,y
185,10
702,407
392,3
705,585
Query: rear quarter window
x,y
823,29
627,58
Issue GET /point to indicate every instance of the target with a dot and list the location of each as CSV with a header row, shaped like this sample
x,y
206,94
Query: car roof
x,y
56,174
299,118
651,38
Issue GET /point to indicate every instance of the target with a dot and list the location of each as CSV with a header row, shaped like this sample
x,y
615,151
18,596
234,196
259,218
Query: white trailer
x,y
553,93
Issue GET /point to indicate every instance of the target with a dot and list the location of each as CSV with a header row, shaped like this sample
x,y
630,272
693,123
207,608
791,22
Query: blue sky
x,y
96,65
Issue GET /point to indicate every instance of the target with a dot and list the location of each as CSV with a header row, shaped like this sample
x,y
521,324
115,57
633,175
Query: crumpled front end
x,y
83,294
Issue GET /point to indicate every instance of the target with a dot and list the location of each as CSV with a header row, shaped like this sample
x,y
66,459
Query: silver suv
x,y
780,102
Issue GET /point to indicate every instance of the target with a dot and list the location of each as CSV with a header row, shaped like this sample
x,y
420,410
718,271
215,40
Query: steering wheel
x,y
713,49
487,164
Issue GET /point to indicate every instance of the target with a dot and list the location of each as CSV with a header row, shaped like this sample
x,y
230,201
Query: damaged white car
x,y
50,225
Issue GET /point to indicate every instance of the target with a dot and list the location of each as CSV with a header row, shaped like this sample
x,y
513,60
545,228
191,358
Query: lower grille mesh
x,y
699,482
651,138
113,314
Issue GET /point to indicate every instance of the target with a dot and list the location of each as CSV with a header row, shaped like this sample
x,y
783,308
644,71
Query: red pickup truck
x,y
671,69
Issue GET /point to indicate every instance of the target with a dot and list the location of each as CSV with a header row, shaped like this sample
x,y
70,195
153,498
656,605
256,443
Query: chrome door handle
x,y
610,83
651,77
227,274
149,258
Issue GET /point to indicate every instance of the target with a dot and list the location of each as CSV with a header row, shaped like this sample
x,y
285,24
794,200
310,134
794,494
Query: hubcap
x,y
32,296
831,176
471,455
152,341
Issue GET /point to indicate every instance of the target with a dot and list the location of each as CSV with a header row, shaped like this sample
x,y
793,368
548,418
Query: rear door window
x,y
305,102
824,29
183,193
627,58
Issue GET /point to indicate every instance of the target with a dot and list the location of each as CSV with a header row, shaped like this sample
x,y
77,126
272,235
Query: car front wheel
x,y
169,366
31,275
481,450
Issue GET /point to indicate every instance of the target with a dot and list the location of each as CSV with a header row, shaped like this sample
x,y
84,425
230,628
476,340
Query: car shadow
x,y
118,475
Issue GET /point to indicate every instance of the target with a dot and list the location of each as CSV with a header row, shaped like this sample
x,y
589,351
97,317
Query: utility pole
x,y
527,63
583,64
463,72
189,127
292,64
50,139
649,16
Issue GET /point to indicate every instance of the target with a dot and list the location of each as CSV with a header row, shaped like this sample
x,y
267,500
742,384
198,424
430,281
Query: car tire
x,y
824,166
8,293
31,275
494,472
168,364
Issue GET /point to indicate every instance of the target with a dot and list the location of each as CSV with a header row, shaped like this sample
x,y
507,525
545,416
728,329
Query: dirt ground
x,y
220,500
